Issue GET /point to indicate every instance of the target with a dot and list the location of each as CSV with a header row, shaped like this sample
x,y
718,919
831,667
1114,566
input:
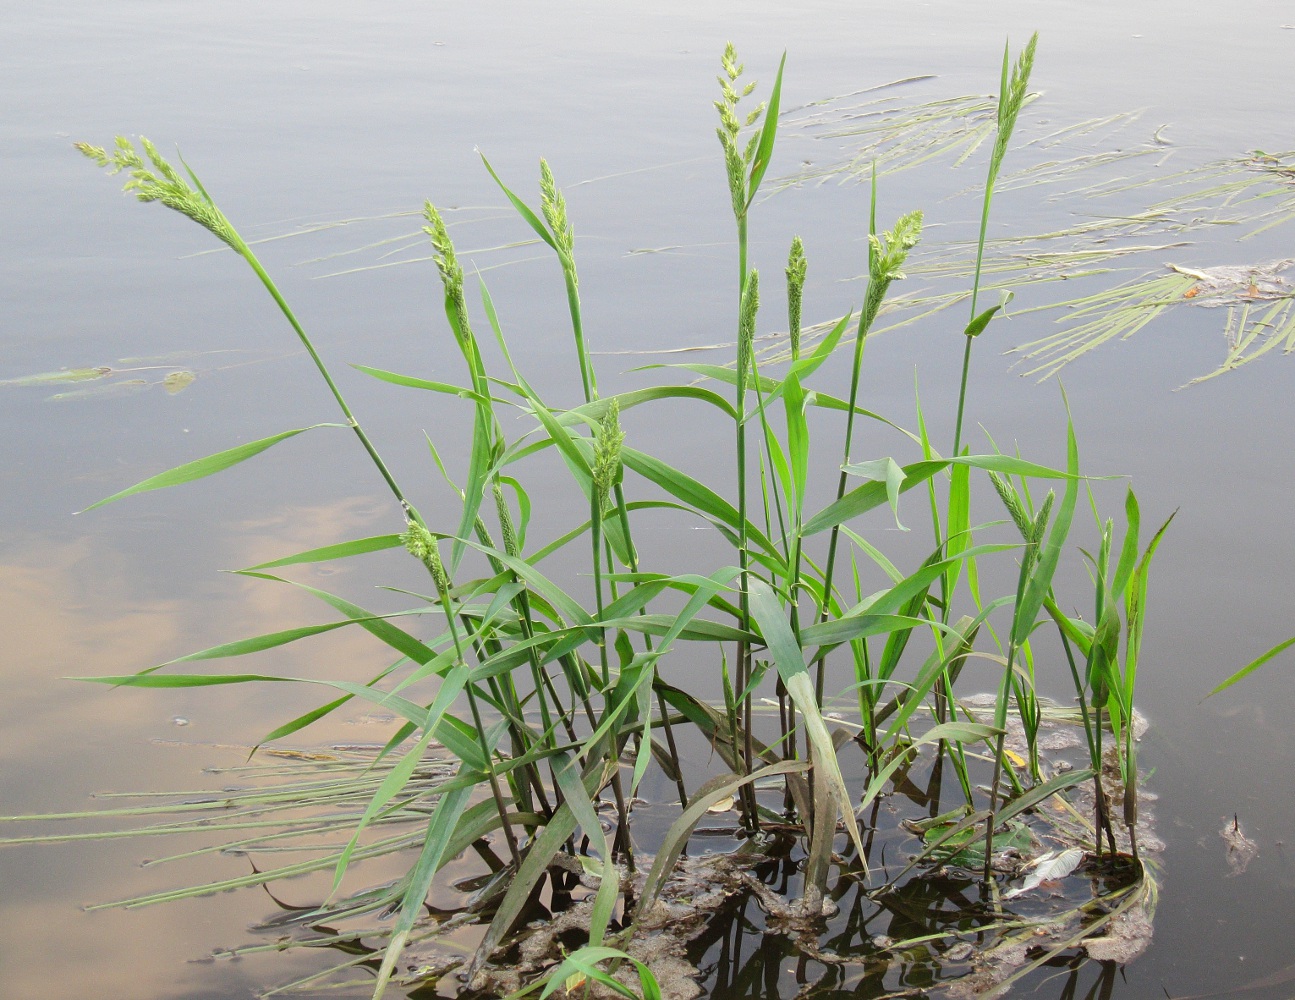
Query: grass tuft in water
x,y
550,707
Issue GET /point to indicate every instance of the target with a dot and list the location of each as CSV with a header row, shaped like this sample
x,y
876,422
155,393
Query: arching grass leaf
x,y
204,467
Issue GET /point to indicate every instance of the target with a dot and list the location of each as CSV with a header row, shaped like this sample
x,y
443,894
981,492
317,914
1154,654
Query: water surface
x,y
301,113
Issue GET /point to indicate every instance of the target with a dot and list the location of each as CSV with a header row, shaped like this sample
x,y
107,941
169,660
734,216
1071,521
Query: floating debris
x,y
1241,850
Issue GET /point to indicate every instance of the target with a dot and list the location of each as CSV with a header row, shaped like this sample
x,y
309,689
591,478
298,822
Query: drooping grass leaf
x,y
445,817
523,210
582,965
377,625
672,844
790,662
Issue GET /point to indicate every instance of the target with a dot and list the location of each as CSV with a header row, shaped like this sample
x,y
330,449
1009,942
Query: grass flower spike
x,y
796,269
166,185
608,470
555,213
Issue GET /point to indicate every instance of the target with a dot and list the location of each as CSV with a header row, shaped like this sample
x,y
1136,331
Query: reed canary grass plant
x,y
567,703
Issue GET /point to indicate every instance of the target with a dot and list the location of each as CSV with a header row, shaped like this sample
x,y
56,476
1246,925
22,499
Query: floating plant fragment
x,y
58,378
1123,310
130,375
177,382
1241,849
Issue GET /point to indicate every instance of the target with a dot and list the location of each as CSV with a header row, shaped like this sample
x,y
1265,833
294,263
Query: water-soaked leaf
x,y
1241,849
67,375
178,382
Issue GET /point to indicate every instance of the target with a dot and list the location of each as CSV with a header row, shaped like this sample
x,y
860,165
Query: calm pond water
x,y
299,114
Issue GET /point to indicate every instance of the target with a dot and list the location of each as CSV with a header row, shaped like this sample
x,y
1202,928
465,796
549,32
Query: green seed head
x,y
608,470
418,540
1012,503
451,272
729,60
796,268
1041,519
1010,102
165,185
737,157
886,256
421,544
746,327
890,251
505,519
555,211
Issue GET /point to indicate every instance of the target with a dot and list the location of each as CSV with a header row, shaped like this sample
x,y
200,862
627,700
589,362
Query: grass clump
x,y
548,705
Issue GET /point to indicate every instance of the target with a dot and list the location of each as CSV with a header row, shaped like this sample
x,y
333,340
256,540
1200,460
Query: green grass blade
x,y
1252,666
672,844
1129,551
1137,609
534,865
870,495
376,625
584,962
566,770
525,212
789,660
412,382
1040,581
399,775
764,150
440,828
341,550
203,467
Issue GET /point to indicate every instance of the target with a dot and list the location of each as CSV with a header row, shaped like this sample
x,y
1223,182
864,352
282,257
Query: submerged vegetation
x,y
533,709
1117,243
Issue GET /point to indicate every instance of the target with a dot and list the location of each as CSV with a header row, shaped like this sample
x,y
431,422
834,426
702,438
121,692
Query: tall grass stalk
x,y
745,166
1012,92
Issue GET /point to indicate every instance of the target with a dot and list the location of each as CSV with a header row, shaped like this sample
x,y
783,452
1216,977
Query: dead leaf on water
x,y
723,805
1241,849
1230,284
